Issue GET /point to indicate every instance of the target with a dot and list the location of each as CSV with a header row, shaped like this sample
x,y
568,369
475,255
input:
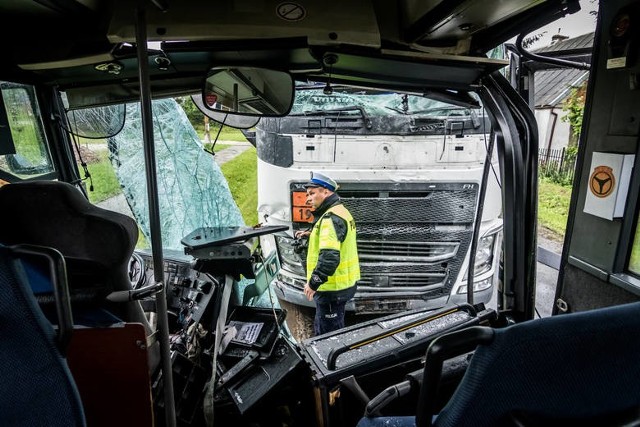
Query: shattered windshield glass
x,y
372,103
192,190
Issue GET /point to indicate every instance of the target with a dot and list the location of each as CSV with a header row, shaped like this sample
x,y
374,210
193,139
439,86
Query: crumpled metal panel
x,y
192,191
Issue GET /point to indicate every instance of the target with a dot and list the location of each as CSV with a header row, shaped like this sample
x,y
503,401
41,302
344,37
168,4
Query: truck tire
x,y
299,320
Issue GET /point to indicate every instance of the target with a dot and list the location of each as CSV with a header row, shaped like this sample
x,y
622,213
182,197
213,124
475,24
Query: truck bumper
x,y
291,294
364,305
483,296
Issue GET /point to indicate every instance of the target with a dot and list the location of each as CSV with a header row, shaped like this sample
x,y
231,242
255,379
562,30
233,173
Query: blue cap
x,y
321,180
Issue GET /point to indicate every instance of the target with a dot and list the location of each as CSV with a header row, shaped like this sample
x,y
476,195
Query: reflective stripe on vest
x,y
323,236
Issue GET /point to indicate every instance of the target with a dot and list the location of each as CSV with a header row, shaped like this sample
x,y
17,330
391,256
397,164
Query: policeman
x,y
332,256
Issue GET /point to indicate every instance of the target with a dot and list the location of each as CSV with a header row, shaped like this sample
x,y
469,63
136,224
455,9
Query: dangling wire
x,y
85,168
217,136
328,90
329,59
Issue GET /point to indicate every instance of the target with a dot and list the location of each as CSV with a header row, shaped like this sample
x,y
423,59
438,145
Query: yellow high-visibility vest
x,y
323,236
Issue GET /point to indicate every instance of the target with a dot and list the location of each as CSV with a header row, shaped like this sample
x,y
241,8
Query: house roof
x,y
552,86
579,42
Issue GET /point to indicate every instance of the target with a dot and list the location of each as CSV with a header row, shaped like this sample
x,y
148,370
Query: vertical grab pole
x,y
478,218
154,211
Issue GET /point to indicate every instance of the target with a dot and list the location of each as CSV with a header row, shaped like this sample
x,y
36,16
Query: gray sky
x,y
572,25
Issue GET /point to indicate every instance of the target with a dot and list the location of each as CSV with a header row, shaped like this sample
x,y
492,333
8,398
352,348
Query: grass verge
x,y
226,134
553,206
105,183
242,174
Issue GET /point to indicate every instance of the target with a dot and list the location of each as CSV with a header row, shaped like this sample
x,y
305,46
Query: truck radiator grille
x,y
447,207
418,281
390,250
393,276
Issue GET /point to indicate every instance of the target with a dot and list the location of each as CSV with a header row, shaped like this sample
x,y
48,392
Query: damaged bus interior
x,y
163,315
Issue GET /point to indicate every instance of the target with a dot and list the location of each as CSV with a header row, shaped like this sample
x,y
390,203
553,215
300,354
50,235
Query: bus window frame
x,y
36,120
622,275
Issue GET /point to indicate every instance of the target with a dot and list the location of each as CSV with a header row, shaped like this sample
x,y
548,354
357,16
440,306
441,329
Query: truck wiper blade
x,y
333,111
431,110
404,113
321,112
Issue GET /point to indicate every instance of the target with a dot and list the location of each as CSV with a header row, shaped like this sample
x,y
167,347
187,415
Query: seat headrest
x,y
56,214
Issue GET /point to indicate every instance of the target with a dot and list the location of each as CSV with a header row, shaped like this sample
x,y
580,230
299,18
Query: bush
x,y
562,176
559,168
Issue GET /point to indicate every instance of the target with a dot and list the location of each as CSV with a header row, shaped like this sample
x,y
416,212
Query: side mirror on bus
x,y
248,91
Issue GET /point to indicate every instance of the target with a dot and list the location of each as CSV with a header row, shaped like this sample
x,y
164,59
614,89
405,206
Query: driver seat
x,y
111,356
96,243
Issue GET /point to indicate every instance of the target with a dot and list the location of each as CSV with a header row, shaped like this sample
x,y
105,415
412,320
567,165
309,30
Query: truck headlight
x,y
483,263
289,256
484,255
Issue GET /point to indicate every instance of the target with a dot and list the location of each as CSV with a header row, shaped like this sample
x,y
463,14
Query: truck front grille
x,y
411,238
457,206
391,250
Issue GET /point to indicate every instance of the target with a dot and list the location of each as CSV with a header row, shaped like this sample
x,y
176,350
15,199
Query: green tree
x,y
194,115
574,107
198,120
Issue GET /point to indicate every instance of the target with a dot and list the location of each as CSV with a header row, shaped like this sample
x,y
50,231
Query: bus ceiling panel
x,y
409,72
452,26
434,23
73,28
51,30
351,22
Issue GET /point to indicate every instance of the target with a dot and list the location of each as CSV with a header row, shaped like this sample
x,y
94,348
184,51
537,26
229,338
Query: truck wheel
x,y
299,320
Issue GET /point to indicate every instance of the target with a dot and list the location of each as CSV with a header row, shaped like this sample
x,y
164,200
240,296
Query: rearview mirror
x,y
248,91
227,119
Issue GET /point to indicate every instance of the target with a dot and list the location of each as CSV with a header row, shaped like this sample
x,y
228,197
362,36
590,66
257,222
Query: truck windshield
x,y
373,104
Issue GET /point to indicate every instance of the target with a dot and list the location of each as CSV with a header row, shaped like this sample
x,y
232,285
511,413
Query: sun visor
x,y
116,93
68,62
83,97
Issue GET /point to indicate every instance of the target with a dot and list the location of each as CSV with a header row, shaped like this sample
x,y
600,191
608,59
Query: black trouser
x,y
329,317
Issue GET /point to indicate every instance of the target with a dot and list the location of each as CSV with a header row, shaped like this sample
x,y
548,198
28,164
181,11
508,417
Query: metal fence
x,y
556,164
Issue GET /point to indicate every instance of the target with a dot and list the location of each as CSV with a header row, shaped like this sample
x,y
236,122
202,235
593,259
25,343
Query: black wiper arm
x,y
333,110
364,115
429,110
404,113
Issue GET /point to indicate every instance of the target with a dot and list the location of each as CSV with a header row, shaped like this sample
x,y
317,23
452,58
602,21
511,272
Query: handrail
x,y
58,276
546,59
